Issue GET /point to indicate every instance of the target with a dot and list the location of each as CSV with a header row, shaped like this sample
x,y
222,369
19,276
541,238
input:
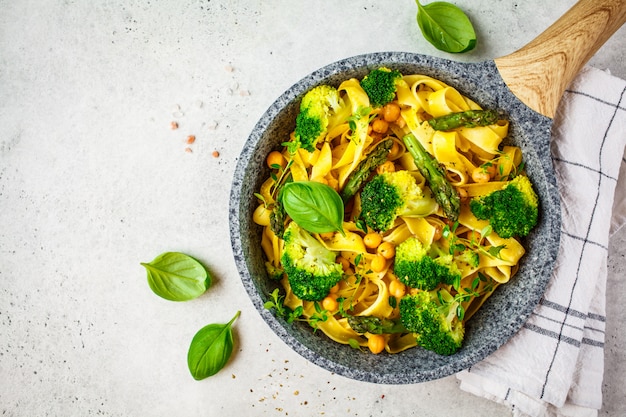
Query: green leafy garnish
x,y
314,206
210,349
446,27
177,277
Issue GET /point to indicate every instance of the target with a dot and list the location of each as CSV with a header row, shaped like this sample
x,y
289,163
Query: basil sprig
x,y
210,349
177,277
446,27
314,206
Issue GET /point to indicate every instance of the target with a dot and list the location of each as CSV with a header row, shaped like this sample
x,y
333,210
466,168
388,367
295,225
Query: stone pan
x,y
504,312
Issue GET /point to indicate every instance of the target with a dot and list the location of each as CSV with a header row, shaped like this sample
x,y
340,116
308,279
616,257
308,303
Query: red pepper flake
x,y
191,139
173,125
216,154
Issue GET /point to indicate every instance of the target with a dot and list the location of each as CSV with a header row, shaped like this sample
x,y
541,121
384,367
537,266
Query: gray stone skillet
x,y
525,87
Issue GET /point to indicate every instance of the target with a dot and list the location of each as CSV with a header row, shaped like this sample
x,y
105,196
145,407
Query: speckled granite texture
x,y
504,312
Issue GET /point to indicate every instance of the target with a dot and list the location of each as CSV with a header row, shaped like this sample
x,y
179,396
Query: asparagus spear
x,y
375,325
469,118
362,172
445,194
277,219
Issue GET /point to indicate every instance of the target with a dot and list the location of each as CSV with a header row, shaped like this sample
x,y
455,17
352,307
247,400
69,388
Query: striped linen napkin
x,y
554,366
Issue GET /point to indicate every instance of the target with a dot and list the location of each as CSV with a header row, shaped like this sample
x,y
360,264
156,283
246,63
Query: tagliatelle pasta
x,y
475,163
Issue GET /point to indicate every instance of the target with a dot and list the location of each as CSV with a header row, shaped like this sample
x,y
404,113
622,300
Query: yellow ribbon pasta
x,y
369,286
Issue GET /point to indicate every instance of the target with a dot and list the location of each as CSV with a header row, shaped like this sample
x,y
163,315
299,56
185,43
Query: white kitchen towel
x,y
555,364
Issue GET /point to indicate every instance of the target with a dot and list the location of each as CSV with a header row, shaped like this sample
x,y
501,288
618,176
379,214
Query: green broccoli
x,y
310,267
273,272
511,211
445,194
432,316
424,266
469,257
381,85
316,108
392,194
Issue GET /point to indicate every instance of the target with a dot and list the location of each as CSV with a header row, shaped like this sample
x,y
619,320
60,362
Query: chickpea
x,y
333,183
380,126
391,112
387,250
379,263
394,151
276,158
438,233
261,215
386,166
479,175
345,264
463,195
397,288
376,343
330,303
401,123
372,240
492,169
474,236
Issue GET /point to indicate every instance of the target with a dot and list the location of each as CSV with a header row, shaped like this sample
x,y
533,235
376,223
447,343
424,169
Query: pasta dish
x,y
392,211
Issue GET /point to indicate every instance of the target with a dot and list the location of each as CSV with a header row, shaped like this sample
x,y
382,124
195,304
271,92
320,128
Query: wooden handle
x,y
539,72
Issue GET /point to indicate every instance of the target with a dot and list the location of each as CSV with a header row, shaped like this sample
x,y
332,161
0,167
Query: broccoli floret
x,y
469,257
310,267
392,194
424,266
381,85
432,316
316,107
273,272
511,211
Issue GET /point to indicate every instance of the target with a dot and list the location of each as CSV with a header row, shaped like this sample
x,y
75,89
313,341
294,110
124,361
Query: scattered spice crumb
x,y
212,125
215,154
229,68
244,93
174,125
296,392
188,149
233,376
191,139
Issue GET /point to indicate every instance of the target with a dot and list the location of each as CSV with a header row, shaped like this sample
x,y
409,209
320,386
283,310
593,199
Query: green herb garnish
x,y
177,277
314,206
210,349
446,27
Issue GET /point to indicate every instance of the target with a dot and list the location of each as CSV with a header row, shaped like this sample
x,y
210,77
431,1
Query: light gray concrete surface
x,y
94,181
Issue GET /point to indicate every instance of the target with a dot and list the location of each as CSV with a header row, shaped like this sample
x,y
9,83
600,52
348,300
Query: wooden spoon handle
x,y
539,72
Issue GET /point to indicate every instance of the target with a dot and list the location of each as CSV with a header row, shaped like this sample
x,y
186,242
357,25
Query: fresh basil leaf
x,y
177,277
314,206
446,27
210,349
